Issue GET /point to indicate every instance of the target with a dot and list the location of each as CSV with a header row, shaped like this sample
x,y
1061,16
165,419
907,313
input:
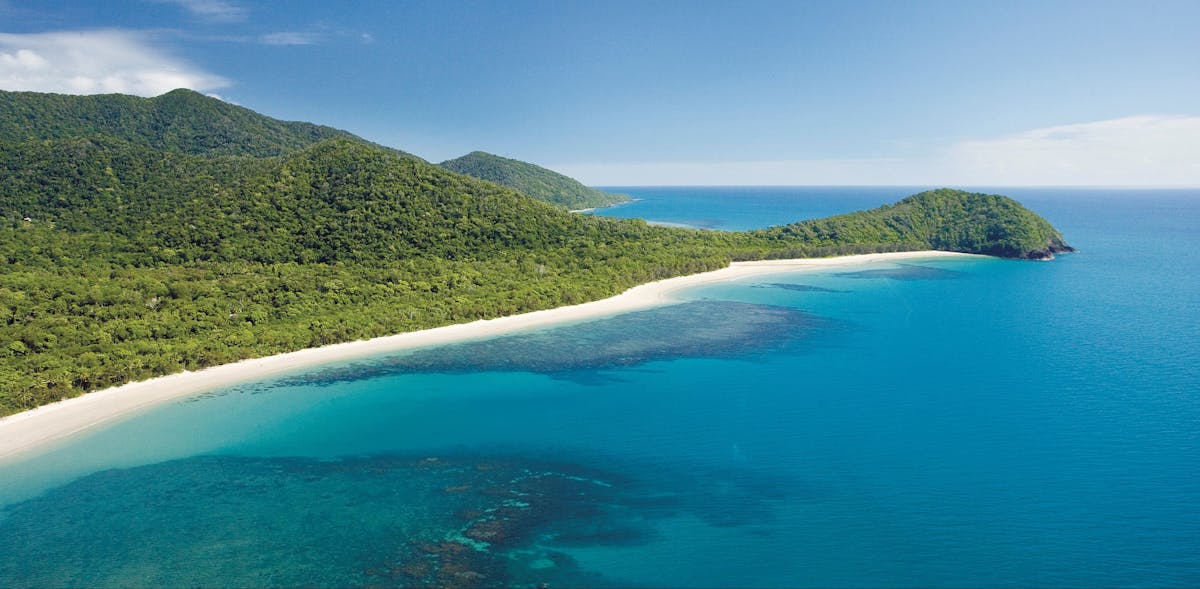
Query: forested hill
x,y
533,180
943,219
121,259
338,200
181,121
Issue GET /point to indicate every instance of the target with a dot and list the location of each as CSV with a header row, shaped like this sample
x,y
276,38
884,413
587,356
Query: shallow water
x,y
942,422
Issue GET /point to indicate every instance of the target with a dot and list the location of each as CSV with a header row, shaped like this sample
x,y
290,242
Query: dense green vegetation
x,y
180,121
943,219
123,259
532,180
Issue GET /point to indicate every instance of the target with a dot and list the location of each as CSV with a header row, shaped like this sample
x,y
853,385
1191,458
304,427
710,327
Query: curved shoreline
x,y
36,428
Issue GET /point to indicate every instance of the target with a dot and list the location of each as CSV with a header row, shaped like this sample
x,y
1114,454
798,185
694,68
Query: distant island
x,y
532,180
146,236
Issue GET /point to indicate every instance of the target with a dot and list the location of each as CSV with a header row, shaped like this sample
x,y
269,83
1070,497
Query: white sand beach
x,y
32,429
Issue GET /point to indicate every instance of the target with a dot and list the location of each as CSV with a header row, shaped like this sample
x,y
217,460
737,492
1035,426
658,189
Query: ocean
x,y
941,423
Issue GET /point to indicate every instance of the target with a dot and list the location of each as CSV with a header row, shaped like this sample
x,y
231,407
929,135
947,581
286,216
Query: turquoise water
x,y
749,207
938,423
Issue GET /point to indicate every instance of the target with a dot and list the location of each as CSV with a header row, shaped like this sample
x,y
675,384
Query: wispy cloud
x,y
1139,150
96,62
1146,150
211,10
883,171
290,38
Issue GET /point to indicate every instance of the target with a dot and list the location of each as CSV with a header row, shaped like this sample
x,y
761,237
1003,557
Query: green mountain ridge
x,y
180,121
536,181
123,259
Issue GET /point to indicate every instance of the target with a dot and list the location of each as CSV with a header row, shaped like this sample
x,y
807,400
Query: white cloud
x,y
289,38
211,10
221,98
1132,151
96,62
1141,150
22,60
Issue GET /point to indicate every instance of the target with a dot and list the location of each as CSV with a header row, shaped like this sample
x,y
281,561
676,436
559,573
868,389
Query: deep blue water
x,y
940,423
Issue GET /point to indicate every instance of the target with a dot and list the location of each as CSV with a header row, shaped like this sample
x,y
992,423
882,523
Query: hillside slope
x,y
337,200
943,219
180,121
536,181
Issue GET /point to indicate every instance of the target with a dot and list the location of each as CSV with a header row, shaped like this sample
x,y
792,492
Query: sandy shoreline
x,y
38,427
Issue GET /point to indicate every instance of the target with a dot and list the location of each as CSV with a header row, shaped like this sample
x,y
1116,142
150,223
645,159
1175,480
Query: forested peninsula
x,y
142,237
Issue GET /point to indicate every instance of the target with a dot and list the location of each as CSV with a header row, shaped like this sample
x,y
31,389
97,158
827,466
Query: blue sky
x,y
957,93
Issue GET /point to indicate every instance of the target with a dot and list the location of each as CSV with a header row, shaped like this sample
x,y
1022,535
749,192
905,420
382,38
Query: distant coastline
x,y
37,428
613,205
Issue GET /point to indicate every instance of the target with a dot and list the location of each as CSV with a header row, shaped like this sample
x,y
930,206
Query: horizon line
x,y
1082,186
